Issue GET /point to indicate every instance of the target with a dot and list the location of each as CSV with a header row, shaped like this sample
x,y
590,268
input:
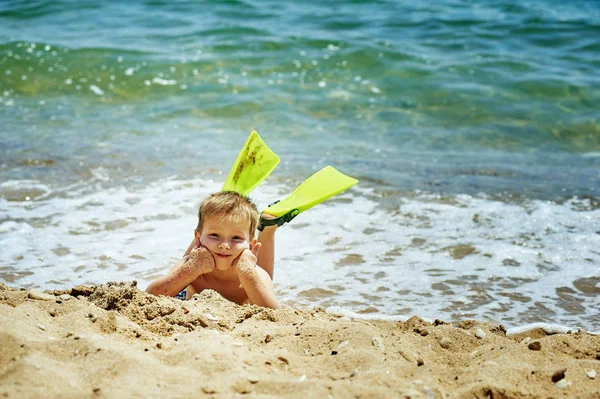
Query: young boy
x,y
224,254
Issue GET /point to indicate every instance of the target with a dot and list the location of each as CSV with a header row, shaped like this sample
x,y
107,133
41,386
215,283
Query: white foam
x,y
547,327
342,312
529,262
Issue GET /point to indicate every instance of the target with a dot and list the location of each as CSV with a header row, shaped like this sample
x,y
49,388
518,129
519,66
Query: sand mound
x,y
114,340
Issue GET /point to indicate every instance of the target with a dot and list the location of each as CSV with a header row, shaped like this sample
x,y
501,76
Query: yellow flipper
x,y
319,187
254,163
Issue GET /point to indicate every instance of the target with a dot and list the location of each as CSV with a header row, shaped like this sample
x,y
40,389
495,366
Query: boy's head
x,y
231,206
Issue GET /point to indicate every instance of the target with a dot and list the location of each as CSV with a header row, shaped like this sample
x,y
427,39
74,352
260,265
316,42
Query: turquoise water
x,y
474,128
457,96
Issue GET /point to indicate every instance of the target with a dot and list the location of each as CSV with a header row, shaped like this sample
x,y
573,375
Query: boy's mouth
x,y
222,255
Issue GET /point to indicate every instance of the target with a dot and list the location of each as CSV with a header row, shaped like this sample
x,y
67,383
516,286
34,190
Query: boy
x,y
224,254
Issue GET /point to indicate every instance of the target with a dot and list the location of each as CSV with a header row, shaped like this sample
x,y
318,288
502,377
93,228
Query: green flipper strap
x,y
279,221
319,187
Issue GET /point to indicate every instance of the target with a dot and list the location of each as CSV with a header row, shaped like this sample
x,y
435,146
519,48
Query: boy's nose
x,y
224,245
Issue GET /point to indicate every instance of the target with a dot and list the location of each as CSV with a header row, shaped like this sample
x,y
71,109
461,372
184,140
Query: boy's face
x,y
224,239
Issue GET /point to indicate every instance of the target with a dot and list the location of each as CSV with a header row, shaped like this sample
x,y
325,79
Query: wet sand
x,y
114,340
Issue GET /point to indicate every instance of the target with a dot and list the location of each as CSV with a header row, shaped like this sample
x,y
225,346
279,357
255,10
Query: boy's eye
x,y
237,238
214,235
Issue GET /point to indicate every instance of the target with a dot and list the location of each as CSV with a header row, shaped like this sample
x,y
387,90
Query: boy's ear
x,y
253,242
196,234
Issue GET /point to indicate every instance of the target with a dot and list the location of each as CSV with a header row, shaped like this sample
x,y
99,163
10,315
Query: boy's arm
x,y
186,270
256,281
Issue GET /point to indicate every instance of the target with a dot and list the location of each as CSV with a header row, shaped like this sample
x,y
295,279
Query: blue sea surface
x,y
490,107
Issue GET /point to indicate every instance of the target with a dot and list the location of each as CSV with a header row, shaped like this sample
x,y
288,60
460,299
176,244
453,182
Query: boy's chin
x,y
223,265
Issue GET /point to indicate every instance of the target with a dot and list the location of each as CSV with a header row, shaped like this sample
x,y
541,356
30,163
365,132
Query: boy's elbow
x,y
271,304
274,304
151,290
155,288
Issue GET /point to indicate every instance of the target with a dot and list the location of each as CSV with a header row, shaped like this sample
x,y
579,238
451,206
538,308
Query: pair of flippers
x,y
256,161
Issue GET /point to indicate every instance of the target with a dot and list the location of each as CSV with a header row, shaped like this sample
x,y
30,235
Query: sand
x,y
116,341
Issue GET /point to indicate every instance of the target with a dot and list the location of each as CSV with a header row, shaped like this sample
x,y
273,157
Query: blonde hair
x,y
232,206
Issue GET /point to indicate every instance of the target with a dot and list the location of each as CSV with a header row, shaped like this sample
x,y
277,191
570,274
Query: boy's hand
x,y
255,281
248,258
200,259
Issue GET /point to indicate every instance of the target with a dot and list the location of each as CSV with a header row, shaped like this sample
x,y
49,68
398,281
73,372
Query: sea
x,y
473,128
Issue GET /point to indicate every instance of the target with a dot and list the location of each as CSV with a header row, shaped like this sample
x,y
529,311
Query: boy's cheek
x,y
205,243
241,249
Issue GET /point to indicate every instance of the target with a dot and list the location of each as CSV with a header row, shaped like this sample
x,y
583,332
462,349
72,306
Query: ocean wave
x,y
448,257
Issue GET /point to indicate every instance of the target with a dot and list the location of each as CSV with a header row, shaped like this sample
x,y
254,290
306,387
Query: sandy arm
x,y
199,261
256,281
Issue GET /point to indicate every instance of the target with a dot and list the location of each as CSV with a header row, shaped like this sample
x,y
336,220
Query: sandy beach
x,y
114,340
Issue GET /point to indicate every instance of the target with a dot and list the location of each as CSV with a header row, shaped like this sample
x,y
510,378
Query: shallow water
x,y
472,127
449,257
